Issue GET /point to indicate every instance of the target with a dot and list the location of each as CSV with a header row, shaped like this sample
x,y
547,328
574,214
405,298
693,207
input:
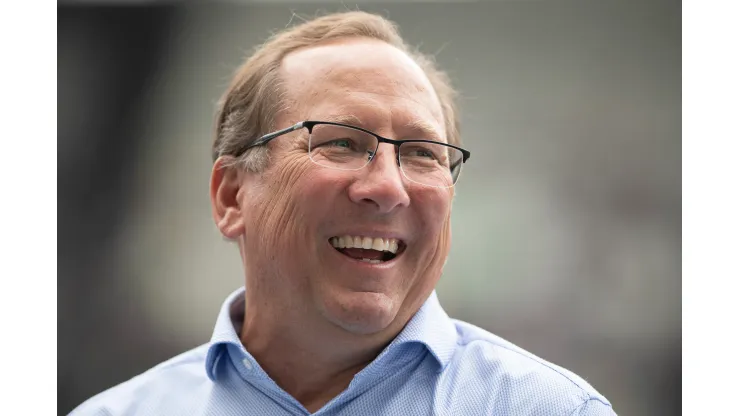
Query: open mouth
x,y
368,249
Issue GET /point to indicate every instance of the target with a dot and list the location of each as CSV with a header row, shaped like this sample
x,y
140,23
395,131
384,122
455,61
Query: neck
x,y
296,355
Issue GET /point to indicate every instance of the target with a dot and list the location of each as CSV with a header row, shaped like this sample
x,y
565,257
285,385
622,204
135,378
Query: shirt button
x,y
247,364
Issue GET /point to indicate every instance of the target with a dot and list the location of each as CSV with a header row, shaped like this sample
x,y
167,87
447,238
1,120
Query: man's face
x,y
294,209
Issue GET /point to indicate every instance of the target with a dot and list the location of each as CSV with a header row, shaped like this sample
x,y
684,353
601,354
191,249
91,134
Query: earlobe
x,y
225,206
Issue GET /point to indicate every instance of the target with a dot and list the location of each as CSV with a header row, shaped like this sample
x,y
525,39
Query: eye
x,y
419,152
423,153
345,143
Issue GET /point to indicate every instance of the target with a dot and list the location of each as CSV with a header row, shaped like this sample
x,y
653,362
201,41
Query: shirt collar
x,y
226,332
430,326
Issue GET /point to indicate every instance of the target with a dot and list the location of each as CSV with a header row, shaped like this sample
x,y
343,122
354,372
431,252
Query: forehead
x,y
365,78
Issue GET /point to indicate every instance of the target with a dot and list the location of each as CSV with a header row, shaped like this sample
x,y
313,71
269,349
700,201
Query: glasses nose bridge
x,y
396,149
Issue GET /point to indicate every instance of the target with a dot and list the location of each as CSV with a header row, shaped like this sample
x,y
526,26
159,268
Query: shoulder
x,y
518,379
146,392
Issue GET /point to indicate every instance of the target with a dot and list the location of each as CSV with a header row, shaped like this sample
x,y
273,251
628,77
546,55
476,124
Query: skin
x,y
313,317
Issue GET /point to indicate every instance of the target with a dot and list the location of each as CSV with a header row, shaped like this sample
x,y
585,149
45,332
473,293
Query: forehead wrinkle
x,y
386,84
352,110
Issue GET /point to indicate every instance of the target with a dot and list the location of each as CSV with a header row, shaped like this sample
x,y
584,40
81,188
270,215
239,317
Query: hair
x,y
248,108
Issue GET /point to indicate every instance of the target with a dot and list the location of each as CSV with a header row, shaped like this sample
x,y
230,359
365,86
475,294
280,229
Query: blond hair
x,y
248,108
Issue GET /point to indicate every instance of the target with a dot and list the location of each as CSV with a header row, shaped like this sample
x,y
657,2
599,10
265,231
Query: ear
x,y
226,181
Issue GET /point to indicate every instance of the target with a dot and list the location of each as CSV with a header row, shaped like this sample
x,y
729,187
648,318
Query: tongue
x,y
361,253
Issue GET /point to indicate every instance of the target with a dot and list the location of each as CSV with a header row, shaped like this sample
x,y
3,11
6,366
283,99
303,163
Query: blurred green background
x,y
567,233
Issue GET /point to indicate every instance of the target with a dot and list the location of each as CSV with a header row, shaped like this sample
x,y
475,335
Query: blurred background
x,y
566,220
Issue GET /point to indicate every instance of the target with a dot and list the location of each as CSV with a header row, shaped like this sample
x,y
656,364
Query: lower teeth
x,y
370,261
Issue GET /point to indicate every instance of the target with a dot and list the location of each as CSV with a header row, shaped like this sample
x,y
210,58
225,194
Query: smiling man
x,y
336,154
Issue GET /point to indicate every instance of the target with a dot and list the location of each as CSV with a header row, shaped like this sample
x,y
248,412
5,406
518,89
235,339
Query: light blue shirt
x,y
435,366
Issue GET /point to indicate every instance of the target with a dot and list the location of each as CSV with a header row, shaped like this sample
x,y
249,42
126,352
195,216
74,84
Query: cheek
x,y
435,208
435,214
291,198
276,216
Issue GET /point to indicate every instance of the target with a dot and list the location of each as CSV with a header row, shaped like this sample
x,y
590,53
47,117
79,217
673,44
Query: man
x,y
336,154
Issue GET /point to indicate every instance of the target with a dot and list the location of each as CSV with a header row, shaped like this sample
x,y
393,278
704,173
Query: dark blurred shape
x,y
105,58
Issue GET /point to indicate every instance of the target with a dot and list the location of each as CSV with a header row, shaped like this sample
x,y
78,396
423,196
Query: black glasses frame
x,y
311,124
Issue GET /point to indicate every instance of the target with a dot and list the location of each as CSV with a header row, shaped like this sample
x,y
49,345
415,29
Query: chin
x,y
362,313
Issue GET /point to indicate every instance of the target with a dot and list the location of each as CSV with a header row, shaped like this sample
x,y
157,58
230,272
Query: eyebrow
x,y
345,118
425,128
420,126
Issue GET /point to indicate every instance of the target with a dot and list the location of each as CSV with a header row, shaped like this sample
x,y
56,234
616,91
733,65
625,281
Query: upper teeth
x,y
379,244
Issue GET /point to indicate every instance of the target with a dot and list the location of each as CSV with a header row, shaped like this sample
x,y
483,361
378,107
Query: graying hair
x,y
256,95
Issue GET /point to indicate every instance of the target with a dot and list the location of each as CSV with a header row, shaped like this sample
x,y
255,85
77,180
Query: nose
x,y
381,183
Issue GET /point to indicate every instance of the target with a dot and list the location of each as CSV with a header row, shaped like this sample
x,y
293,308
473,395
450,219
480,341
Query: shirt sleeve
x,y
594,407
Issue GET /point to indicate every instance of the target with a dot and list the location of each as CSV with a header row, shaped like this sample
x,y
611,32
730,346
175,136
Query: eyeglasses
x,y
344,147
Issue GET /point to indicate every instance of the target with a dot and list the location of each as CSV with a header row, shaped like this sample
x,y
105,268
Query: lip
x,y
383,265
